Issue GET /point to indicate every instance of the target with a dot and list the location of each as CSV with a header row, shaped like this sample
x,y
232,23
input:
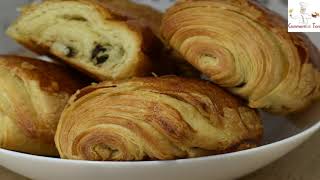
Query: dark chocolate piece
x,y
102,59
97,50
71,52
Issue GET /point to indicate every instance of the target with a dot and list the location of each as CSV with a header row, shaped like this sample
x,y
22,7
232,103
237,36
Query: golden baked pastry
x,y
154,118
33,94
245,47
85,34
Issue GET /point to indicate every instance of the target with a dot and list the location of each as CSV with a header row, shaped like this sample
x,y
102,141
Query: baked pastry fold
x,y
155,118
88,36
246,48
33,94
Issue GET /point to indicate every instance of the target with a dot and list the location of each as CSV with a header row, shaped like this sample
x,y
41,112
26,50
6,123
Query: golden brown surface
x,y
246,48
155,118
32,96
88,36
127,9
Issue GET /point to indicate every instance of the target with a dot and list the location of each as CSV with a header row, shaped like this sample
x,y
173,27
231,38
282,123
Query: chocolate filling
x,y
97,50
71,52
99,54
102,59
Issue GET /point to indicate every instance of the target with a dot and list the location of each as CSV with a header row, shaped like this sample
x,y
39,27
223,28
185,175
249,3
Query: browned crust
x,y
52,78
177,85
213,103
283,80
128,10
151,46
276,23
307,50
145,21
36,131
173,85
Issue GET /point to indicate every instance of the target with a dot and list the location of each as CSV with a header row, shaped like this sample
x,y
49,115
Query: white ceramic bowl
x,y
281,136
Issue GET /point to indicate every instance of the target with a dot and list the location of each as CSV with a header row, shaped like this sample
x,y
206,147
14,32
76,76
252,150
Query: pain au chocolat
x,y
155,119
89,35
33,94
246,48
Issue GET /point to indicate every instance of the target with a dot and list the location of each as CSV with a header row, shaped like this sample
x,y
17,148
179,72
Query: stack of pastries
x,y
127,86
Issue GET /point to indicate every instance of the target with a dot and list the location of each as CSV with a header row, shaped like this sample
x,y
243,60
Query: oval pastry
x,y
246,48
88,36
155,118
33,94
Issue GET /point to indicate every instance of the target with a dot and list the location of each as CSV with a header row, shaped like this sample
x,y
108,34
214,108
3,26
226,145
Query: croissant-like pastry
x,y
245,47
155,118
88,36
33,94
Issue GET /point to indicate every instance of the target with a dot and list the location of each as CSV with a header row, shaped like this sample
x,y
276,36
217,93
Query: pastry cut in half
x,y
33,94
246,48
155,119
88,36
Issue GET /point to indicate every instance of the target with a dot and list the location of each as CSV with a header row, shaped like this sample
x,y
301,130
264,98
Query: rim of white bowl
x,y
309,131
